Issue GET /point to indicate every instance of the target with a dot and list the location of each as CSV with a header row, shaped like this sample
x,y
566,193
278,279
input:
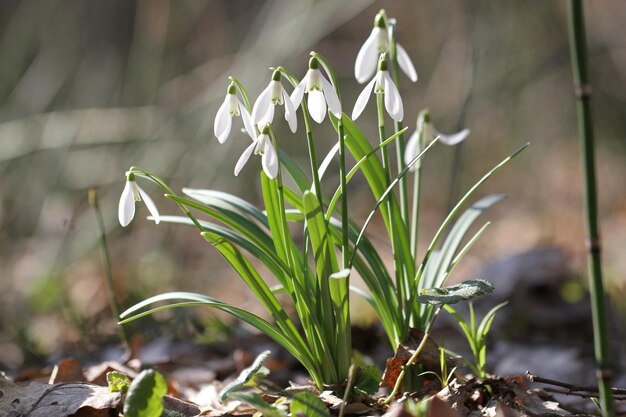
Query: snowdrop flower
x,y
321,92
231,106
425,128
263,109
377,43
381,84
132,192
261,145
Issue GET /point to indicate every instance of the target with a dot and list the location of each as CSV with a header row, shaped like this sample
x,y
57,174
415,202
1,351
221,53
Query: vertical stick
x,y
578,50
92,196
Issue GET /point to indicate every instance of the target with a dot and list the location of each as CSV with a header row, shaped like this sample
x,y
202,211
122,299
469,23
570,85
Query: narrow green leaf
x,y
145,394
296,348
255,282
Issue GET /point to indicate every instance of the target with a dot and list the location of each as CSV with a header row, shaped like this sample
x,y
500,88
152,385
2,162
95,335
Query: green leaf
x,y
307,404
117,382
295,347
220,199
368,380
145,394
253,399
253,371
451,295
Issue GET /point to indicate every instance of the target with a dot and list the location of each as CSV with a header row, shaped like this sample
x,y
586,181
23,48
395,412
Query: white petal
x,y
244,158
126,208
405,63
267,117
393,101
262,105
221,127
362,100
247,121
317,105
269,161
411,150
290,112
367,58
453,138
298,93
151,206
327,160
331,98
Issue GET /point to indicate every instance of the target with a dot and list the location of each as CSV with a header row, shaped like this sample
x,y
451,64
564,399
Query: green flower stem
x,y
309,138
345,248
400,285
417,182
578,50
413,358
291,263
168,190
92,196
395,72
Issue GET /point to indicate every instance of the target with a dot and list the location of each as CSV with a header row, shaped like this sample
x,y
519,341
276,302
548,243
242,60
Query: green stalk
x,y
92,196
578,50
395,76
345,248
417,181
400,284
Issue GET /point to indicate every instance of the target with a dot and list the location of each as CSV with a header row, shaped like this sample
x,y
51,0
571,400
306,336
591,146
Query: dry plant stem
x,y
413,358
578,51
92,196
346,394
572,389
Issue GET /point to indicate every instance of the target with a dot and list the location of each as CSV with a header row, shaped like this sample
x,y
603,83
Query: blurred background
x,y
88,89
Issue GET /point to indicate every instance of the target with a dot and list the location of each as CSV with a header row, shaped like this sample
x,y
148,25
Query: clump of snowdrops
x,y
315,275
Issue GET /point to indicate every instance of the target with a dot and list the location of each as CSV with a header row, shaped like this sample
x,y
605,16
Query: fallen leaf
x,y
68,370
42,400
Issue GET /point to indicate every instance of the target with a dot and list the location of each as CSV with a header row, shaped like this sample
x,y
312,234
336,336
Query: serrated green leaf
x,y
255,369
368,380
451,295
117,382
307,404
145,394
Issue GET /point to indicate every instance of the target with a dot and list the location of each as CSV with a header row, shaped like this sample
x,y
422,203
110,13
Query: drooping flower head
x,y
378,43
381,84
231,107
426,132
263,109
261,145
132,192
321,93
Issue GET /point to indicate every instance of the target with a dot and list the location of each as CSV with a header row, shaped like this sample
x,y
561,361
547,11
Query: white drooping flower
x,y
263,109
231,107
376,44
425,128
381,84
261,145
322,94
132,192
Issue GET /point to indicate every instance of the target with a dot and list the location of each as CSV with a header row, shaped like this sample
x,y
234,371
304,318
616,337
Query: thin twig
x,y
570,387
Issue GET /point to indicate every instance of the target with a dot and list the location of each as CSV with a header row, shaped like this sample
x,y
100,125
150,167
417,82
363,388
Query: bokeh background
x,y
88,89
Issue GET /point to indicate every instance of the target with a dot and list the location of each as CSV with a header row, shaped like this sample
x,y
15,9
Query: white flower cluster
x,y
371,64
